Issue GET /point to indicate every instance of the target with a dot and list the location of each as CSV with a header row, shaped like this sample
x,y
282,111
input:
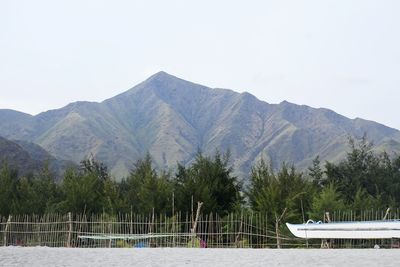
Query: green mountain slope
x,y
172,119
29,158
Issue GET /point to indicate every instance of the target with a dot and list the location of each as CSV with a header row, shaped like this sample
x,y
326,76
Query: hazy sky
x,y
339,54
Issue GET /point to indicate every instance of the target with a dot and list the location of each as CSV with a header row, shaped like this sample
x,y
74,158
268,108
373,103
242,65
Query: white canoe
x,y
347,230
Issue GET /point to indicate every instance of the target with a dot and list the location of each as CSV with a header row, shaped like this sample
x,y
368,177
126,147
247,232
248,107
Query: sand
x,y
42,256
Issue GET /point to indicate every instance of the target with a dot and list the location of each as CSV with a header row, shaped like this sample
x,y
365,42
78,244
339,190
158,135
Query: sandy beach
x,y
42,256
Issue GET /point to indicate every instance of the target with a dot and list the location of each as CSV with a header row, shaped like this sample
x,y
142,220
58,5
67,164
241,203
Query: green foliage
x,y
328,200
91,166
80,192
27,197
8,190
273,193
28,194
89,191
122,244
111,198
364,201
194,242
362,181
264,191
244,243
376,177
316,173
208,180
145,190
47,191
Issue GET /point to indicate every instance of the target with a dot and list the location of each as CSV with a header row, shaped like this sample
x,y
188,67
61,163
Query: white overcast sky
x,y
339,54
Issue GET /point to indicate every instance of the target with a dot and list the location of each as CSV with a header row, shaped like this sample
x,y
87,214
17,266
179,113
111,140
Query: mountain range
x,y
29,158
173,119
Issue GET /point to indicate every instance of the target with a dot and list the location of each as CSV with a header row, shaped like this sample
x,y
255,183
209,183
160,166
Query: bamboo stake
x,y
386,214
199,205
110,231
266,229
239,232
69,230
194,228
277,221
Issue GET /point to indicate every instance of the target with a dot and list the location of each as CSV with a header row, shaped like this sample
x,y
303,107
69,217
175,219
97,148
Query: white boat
x,y
347,230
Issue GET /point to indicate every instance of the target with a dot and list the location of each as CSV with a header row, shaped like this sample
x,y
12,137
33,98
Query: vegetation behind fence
x,y
236,230
134,230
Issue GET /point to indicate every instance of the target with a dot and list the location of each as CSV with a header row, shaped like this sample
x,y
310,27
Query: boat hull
x,y
347,230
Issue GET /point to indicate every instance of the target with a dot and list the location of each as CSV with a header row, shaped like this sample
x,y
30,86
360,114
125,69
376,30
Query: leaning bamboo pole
x,y
8,225
194,227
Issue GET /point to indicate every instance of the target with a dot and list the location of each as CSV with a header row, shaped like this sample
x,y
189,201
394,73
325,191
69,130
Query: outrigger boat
x,y
347,230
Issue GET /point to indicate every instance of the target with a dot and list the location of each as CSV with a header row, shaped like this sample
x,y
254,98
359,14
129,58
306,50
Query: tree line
x,y
362,180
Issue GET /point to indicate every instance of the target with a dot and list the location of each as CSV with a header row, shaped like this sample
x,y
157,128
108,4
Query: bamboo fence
x,y
236,230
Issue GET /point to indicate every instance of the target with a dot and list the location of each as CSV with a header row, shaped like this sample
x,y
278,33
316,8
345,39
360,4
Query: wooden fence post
x,y
240,231
6,229
326,243
199,204
277,221
386,215
110,231
194,227
69,230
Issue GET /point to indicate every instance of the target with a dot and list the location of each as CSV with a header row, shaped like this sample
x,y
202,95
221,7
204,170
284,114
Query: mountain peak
x,y
153,81
162,82
285,102
161,75
172,118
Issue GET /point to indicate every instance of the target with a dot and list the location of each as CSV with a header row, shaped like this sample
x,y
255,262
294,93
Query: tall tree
x,y
145,190
84,190
46,189
8,189
364,171
316,173
208,180
328,200
274,193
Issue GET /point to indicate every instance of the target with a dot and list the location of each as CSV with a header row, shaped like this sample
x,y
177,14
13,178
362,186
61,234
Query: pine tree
x,y
208,180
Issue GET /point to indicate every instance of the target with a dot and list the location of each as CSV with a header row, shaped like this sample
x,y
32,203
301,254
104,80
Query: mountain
x,y
14,155
172,119
29,158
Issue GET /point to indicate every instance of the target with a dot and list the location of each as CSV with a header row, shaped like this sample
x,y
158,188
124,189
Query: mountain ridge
x,y
172,119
